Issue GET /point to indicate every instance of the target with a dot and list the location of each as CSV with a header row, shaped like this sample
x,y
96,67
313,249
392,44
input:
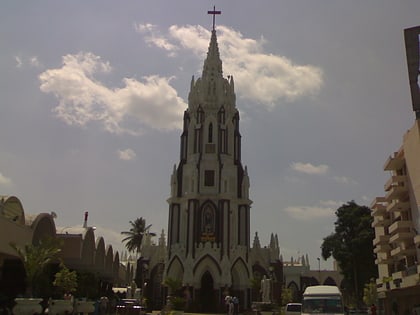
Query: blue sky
x,y
92,97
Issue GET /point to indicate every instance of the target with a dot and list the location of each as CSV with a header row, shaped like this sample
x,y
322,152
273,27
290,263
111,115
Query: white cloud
x,y
153,37
34,62
344,180
309,213
126,155
27,61
19,62
259,76
153,103
309,168
331,203
5,181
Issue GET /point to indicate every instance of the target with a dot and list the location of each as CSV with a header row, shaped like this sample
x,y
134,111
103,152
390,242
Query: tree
x,y
370,293
351,245
35,258
66,280
134,237
286,296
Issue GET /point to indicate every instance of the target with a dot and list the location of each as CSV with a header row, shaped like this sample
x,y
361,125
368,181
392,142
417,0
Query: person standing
x,y
373,309
235,301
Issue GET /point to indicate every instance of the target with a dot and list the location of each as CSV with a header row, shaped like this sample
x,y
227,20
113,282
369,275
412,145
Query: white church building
x,y
208,241
208,247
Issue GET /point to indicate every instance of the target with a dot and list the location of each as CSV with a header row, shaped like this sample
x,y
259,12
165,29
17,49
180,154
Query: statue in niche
x,y
266,289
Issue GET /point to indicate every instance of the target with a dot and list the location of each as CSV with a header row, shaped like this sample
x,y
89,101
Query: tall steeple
x,y
213,64
209,206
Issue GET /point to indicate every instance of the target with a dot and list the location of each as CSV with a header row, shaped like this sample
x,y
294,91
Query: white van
x,y
322,299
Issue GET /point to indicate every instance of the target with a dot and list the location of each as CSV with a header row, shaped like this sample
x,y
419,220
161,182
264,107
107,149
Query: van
x,y
293,309
322,299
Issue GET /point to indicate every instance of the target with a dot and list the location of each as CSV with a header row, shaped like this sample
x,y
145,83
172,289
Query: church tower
x,y
209,205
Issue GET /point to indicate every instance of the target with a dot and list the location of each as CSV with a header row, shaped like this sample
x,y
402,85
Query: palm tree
x,y
134,237
35,258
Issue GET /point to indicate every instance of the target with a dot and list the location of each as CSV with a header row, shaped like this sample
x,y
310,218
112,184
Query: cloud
x,y
259,76
344,180
309,168
153,37
331,203
152,103
19,62
27,61
309,213
5,181
126,155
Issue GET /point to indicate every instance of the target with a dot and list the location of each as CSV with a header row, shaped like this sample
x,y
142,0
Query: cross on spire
x,y
214,12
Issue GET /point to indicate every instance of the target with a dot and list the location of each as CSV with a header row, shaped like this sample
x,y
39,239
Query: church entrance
x,y
208,302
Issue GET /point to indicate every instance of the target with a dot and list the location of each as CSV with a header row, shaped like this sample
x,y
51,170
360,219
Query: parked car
x,y
130,307
293,309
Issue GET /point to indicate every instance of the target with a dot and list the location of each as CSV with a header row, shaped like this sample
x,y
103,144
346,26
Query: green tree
x,y
35,258
134,237
370,293
66,280
286,296
351,246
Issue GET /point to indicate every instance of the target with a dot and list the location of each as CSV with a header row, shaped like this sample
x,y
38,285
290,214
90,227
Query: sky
x,y
92,95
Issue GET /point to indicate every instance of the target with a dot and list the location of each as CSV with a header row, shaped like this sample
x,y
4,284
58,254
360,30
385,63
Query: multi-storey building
x,y
397,218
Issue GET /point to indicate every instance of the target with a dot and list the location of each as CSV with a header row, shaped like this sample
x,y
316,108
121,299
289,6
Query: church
x,y
208,243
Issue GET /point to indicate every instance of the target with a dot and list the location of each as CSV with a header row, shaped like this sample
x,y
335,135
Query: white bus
x,y
322,299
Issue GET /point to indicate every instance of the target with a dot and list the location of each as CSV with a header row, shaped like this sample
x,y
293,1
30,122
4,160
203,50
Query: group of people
x,y
232,305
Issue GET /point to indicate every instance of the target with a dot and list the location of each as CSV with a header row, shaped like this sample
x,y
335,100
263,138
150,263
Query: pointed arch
x,y
330,281
175,269
207,263
222,115
240,274
100,255
209,218
294,288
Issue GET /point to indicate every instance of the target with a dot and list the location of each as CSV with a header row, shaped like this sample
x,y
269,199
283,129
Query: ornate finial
x,y
214,12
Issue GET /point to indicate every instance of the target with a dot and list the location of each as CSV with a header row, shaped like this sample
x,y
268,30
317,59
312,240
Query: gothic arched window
x,y
210,135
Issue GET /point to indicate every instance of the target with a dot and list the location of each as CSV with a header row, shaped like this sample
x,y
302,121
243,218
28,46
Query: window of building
x,y
208,178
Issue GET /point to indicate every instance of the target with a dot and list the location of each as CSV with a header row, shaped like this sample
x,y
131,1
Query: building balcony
x,y
384,260
401,252
382,248
401,237
381,240
397,192
377,201
397,205
395,180
381,221
378,209
401,226
398,275
395,162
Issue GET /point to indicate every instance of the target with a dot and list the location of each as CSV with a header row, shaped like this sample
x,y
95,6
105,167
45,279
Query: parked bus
x,y
322,299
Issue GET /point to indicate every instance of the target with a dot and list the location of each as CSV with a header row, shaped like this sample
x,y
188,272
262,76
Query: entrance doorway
x,y
208,300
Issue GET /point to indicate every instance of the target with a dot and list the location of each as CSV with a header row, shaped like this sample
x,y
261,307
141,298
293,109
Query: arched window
x,y
210,135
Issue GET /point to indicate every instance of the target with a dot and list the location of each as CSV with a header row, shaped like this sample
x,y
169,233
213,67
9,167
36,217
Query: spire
x,y
256,243
213,64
